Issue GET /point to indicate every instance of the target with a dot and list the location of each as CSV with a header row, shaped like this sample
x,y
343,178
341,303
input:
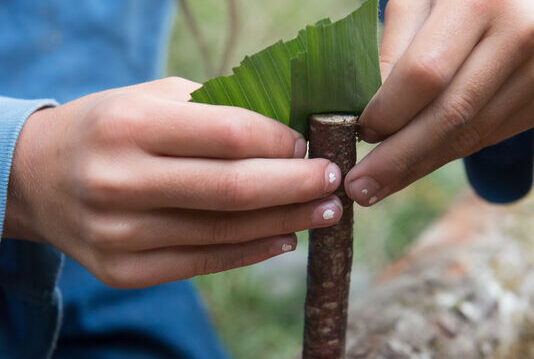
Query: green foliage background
x,y
258,310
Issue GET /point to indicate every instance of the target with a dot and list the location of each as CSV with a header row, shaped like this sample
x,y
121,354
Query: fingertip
x,y
327,212
284,244
366,191
332,177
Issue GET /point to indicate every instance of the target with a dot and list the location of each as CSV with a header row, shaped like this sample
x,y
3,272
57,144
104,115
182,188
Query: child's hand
x,y
142,187
458,76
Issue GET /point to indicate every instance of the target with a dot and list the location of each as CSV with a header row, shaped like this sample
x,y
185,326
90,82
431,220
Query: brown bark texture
x,y
332,136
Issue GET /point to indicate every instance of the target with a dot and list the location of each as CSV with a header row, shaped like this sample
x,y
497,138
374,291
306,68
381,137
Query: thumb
x,y
403,158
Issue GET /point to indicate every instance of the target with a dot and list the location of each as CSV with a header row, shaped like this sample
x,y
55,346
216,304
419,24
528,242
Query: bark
x,y
330,250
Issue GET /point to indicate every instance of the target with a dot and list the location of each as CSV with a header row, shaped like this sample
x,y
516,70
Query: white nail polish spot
x,y
332,177
373,200
328,214
365,191
287,247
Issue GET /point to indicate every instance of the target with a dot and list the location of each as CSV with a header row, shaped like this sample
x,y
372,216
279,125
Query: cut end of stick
x,y
336,119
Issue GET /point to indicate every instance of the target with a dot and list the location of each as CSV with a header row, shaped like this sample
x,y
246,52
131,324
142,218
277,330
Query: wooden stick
x,y
332,137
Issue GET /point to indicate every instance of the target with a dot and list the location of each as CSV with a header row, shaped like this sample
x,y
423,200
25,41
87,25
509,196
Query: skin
x,y
142,187
458,76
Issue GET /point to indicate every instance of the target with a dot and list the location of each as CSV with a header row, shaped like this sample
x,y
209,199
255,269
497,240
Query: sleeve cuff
x,y
13,115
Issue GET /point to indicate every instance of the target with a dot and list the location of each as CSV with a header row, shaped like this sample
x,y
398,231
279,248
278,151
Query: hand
x,y
142,187
458,76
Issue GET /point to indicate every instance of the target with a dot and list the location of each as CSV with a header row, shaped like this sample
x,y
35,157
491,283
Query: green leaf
x,y
339,71
328,67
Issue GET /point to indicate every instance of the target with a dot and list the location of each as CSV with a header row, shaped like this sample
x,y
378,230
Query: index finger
x,y
425,70
404,18
183,129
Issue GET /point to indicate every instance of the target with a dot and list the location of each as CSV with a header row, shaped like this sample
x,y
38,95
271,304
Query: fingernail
x,y
287,244
300,148
328,212
364,191
287,247
332,177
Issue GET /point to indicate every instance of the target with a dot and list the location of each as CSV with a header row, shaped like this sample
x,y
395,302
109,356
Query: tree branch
x,y
330,249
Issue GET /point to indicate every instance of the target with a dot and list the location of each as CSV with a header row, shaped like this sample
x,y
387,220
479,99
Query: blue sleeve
x,y
382,9
503,173
28,270
13,114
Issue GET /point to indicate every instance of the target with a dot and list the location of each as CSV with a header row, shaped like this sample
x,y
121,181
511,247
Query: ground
x,y
258,310
464,290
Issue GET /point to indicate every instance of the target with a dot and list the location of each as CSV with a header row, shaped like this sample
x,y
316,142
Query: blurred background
x,y
259,310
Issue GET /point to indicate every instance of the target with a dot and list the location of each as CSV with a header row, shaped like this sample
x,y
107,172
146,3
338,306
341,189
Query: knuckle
x,y
116,271
110,234
426,72
456,114
98,184
118,116
234,191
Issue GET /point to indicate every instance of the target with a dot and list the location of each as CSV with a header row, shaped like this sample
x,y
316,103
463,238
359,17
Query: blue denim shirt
x,y
52,51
